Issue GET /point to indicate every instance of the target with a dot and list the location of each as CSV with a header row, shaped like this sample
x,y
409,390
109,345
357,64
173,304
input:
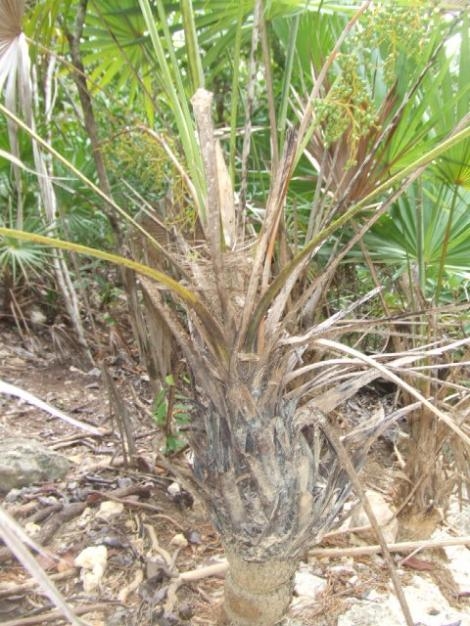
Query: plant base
x,y
257,593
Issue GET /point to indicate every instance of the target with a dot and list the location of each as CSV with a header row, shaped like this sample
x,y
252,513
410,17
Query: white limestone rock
x,y
384,513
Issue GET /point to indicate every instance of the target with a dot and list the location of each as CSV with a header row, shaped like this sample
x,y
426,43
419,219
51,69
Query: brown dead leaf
x,y
65,563
46,560
418,564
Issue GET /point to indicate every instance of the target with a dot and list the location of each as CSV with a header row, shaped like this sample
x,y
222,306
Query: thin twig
x,y
49,616
194,575
349,468
402,546
131,587
15,589
133,504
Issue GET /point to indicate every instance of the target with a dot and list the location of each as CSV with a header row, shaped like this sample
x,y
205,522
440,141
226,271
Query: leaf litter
x,y
127,544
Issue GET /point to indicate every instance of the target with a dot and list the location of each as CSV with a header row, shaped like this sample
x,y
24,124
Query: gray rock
x,y
24,462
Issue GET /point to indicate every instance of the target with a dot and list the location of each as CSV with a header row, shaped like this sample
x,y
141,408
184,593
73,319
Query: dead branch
x,y
15,589
53,615
402,546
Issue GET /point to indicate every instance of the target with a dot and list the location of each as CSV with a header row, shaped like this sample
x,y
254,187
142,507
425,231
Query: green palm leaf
x,y
394,239
450,103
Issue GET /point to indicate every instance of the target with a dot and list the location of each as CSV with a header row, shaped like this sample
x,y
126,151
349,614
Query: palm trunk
x,y
257,593
424,469
272,484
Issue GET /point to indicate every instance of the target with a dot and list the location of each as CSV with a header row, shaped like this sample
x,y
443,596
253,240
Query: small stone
x,y
92,556
193,537
109,509
37,317
179,541
86,518
384,514
307,584
124,481
173,489
93,561
32,530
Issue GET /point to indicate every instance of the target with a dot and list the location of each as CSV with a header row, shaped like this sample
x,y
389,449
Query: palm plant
x,y
241,292
420,250
18,82
424,239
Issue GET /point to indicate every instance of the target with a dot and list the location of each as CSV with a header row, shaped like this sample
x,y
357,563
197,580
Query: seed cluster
x,y
387,38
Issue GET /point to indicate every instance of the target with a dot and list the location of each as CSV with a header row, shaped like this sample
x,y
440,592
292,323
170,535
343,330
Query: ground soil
x,y
155,533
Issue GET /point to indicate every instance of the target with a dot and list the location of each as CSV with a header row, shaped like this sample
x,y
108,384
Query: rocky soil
x,y
127,543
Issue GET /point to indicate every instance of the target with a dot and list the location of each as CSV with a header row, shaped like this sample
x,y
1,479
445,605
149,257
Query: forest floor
x,y
155,530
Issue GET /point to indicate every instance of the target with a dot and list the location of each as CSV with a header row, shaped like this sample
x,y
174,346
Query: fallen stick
x,y
393,547
220,568
70,440
204,572
53,615
133,504
13,390
12,589
51,526
20,543
192,576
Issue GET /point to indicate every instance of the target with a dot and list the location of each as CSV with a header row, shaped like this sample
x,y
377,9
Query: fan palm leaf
x,y
394,240
16,80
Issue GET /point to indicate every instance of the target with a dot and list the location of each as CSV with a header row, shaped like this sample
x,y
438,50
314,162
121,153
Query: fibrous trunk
x,y
430,488
272,484
257,593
